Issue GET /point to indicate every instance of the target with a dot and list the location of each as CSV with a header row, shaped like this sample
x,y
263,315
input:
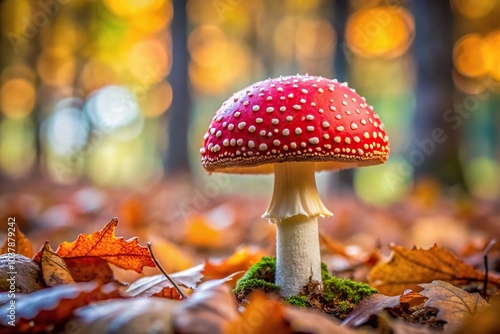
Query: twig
x,y
486,269
164,272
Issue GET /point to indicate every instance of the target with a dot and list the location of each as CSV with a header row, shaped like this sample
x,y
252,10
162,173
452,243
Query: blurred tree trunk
x,y
432,50
177,157
345,178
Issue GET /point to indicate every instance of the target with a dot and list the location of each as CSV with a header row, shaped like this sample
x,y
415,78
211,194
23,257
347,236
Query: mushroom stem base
x,y
297,254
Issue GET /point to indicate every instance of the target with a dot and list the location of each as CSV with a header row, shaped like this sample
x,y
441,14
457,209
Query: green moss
x,y
338,297
259,276
300,301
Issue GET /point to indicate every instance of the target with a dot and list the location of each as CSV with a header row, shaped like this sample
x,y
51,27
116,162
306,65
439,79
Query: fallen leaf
x,y
305,321
17,243
373,305
208,310
127,254
168,293
486,321
150,285
28,275
86,269
262,315
454,304
407,268
332,246
135,316
54,269
241,260
42,310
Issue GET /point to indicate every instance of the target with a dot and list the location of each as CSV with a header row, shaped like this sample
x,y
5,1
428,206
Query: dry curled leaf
x,y
103,244
454,304
42,310
54,269
373,305
28,275
406,269
17,243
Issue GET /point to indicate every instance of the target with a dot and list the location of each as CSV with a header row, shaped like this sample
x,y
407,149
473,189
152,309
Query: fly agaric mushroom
x,y
294,126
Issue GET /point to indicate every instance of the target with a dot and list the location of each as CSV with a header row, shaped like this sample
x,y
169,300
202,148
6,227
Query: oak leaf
x,y
103,244
86,269
407,268
42,310
54,269
454,304
20,244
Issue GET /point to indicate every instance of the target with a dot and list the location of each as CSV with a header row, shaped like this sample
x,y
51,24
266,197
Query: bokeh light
x,y
17,97
380,31
149,61
473,9
470,56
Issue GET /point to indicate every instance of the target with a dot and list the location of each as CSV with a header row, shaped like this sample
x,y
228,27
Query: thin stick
x,y
164,272
485,258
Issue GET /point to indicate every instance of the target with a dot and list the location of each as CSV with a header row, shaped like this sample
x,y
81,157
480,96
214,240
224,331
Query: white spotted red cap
x,y
294,118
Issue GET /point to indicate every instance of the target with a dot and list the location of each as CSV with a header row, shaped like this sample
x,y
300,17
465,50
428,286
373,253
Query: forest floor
x,y
424,254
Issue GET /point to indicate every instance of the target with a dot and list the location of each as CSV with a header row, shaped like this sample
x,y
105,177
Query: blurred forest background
x,y
103,99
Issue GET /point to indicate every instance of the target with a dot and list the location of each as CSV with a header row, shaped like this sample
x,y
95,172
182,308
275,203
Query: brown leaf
x,y
407,268
54,269
453,303
42,310
208,310
86,269
241,260
28,275
127,254
150,285
135,316
16,242
373,305
305,321
168,293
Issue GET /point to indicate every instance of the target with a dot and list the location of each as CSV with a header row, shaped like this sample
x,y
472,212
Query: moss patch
x,y
259,276
336,296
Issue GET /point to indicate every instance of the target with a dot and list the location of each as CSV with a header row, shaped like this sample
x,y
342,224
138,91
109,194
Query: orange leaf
x,y
241,260
127,254
407,268
19,244
263,315
86,269
168,293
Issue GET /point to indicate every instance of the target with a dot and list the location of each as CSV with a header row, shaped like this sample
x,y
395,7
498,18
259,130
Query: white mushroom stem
x,y
295,207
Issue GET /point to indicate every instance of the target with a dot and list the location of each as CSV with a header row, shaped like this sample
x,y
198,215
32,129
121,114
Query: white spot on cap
x,y
320,90
337,139
263,133
344,103
285,132
360,151
332,108
230,127
303,144
345,95
245,103
280,89
270,109
310,128
354,126
325,124
366,135
374,134
326,136
304,91
337,150
289,118
296,107
314,140
237,114
309,117
282,108
269,98
313,104
356,139
338,116
363,122
262,147
242,125
255,108
239,142
259,120
340,128
293,145
218,134
252,129
290,95
212,131
275,121
203,150
298,131
347,140
225,142
302,100
232,142
276,142
331,88
251,144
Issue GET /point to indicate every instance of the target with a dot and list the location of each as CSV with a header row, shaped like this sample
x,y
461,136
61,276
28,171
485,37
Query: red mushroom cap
x,y
295,118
